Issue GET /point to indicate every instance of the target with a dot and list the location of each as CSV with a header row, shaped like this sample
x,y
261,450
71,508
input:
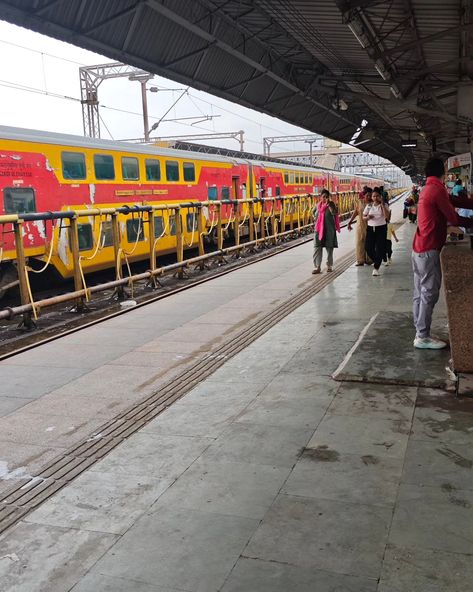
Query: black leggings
x,y
376,243
389,250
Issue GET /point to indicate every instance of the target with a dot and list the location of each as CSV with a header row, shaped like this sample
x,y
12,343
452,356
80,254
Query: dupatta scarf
x,y
320,222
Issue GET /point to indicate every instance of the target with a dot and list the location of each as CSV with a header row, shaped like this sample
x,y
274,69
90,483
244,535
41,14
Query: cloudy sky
x,y
39,89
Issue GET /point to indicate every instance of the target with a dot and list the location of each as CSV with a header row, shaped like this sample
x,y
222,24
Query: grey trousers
x,y
318,255
427,282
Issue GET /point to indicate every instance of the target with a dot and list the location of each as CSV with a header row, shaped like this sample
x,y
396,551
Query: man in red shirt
x,y
436,210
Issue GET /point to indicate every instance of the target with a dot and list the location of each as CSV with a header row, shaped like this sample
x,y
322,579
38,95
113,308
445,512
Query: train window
x,y
85,236
286,178
133,227
73,165
307,179
225,193
189,171
130,170
212,193
291,179
172,225
191,222
106,236
298,179
19,200
172,170
158,226
103,165
153,169
278,190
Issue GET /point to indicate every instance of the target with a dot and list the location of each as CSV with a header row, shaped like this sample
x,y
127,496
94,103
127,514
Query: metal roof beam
x,y
42,9
191,54
244,83
198,31
403,104
132,28
423,40
349,5
113,18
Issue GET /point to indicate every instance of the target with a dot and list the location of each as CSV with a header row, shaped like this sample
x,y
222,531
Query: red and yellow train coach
x,y
41,171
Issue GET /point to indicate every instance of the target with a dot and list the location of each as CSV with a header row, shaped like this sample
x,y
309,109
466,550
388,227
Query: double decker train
x,y
42,171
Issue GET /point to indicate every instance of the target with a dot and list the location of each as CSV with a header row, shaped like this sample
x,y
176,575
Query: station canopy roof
x,y
382,74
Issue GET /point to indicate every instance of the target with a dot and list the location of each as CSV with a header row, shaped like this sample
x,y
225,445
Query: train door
x,y
235,187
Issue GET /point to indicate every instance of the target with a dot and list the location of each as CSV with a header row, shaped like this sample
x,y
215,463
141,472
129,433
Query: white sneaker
x,y
429,343
375,272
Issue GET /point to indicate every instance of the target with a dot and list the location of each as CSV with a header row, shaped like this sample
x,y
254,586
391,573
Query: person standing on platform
x,y
376,214
364,199
391,234
407,203
458,189
327,224
413,211
436,210
384,194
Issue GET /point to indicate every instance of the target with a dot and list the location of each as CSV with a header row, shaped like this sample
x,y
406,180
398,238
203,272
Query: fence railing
x,y
252,222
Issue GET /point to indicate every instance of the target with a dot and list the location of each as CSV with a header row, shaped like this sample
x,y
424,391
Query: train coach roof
x,y
45,137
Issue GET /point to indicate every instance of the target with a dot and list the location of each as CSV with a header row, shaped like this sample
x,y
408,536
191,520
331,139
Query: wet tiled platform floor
x,y
269,476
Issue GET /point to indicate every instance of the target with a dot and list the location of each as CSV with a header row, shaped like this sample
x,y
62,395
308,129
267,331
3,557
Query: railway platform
x,y
202,444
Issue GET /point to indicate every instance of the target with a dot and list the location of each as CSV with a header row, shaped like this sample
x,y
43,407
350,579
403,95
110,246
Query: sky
x,y
39,89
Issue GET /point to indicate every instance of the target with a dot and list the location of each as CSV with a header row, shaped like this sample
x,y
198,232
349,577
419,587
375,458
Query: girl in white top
x,y
376,214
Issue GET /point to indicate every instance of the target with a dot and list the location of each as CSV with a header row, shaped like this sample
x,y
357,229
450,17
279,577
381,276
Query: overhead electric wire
x,y
50,55
17,86
24,88
161,88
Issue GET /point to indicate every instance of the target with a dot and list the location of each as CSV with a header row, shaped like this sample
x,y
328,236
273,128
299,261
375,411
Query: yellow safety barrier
x,y
266,221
